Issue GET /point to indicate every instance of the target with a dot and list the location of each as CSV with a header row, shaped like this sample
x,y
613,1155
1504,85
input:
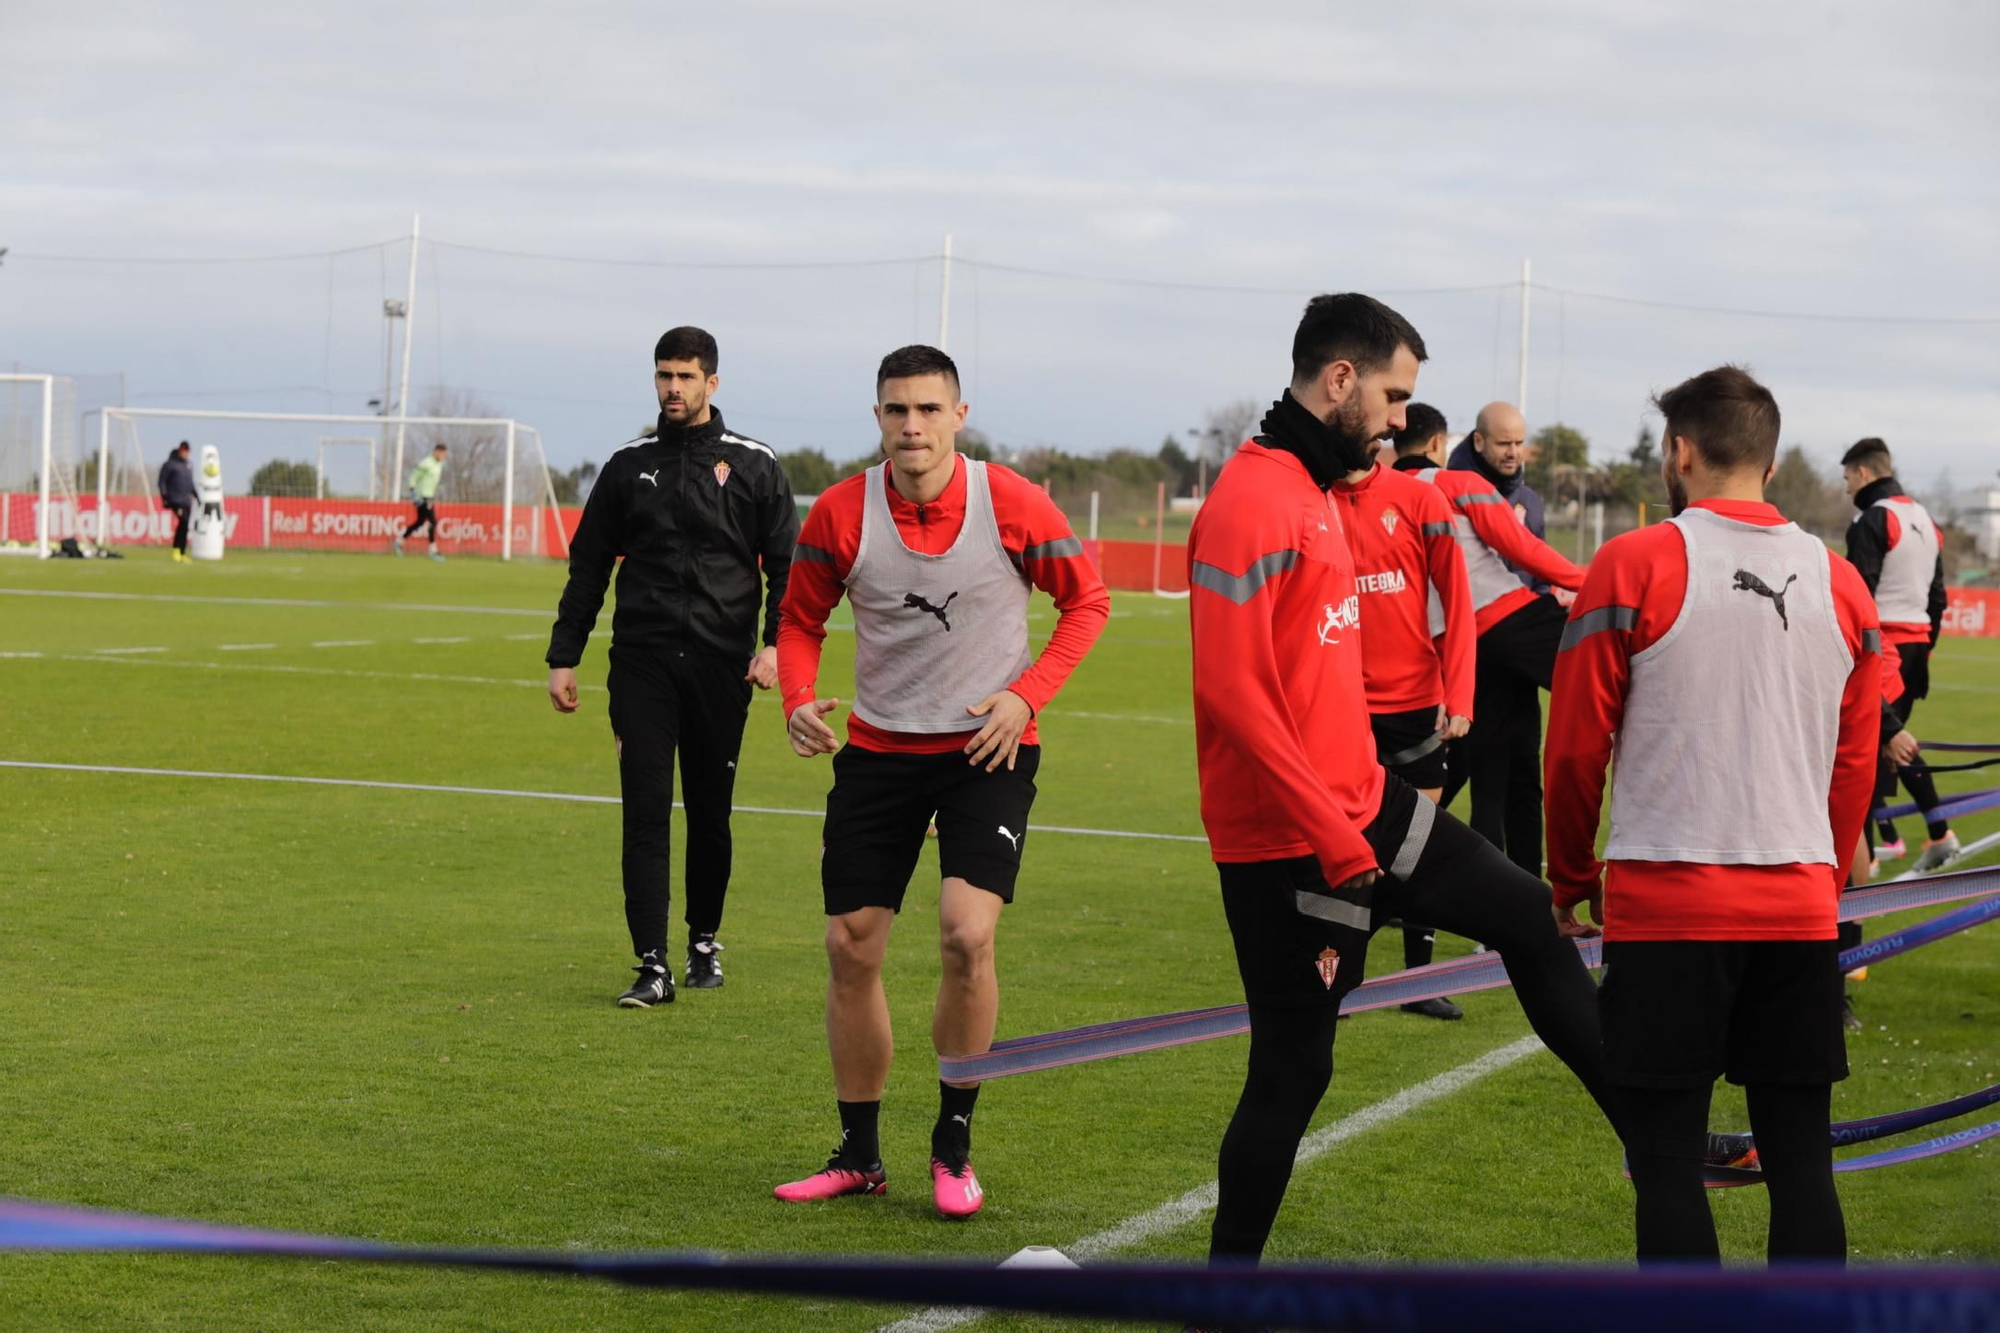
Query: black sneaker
x,y
1438,1007
654,986
704,965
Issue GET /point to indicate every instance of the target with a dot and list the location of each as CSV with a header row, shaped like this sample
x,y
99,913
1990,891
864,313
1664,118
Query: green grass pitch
x,y
387,1013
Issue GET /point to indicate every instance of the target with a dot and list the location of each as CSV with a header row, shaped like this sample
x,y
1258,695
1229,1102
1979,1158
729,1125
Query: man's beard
x,y
686,406
1353,444
1677,496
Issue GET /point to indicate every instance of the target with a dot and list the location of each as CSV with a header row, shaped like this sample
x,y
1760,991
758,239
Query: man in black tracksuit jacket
x,y
694,509
178,495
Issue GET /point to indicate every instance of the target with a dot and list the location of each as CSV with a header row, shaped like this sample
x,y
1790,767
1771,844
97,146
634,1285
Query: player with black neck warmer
x,y
1314,842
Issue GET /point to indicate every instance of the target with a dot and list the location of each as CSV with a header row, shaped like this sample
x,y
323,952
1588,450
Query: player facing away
x,y
1728,663
697,512
423,494
1417,639
1314,842
936,554
1895,544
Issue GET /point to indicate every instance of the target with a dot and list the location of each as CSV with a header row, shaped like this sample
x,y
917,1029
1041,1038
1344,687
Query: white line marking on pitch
x,y
523,638
1196,1202
20,654
112,651
456,638
287,669
505,791
345,643
271,601
244,647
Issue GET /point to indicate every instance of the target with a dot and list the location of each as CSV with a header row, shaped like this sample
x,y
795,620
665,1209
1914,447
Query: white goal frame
x,y
40,550
513,428
319,464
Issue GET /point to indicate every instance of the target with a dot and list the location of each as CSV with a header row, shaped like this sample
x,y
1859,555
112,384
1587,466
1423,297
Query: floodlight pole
x,y
507,500
103,472
944,297
1521,392
409,336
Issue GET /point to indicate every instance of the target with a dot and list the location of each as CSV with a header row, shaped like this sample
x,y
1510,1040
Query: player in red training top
x,y
1896,545
1729,662
936,554
1313,841
1417,641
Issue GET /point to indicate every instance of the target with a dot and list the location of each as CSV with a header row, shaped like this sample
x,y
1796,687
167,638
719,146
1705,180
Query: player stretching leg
x,y
1732,663
937,555
1313,841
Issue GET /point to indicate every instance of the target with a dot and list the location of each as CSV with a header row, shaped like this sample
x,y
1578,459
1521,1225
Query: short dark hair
x,y
182,445
1353,328
688,343
1872,454
917,359
1422,424
441,445
1729,417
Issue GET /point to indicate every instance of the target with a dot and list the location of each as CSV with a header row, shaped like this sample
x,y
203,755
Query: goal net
x,y
38,470
304,481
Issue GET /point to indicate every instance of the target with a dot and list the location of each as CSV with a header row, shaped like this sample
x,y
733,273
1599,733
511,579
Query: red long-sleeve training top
x,y
1037,538
1400,532
1282,742
1645,573
1490,521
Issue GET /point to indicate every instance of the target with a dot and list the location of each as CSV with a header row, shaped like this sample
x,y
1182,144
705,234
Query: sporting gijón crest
x,y
721,473
1389,517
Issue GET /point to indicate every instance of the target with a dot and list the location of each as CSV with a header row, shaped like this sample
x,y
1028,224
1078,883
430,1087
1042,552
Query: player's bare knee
x,y
965,948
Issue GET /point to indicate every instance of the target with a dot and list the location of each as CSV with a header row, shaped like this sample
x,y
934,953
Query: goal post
x,y
291,483
28,459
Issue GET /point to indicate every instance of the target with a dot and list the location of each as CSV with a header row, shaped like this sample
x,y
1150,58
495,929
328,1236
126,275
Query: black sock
x,y
653,958
858,1141
1936,828
953,1131
1885,831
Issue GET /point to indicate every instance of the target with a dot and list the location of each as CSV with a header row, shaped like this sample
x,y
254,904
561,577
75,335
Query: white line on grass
x,y
1201,1200
523,638
270,601
508,791
345,643
114,651
286,669
20,654
456,638
244,647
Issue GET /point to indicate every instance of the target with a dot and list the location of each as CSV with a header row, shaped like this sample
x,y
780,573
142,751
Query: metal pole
x,y
409,336
103,473
507,501
48,456
944,297
1093,515
1521,393
1159,531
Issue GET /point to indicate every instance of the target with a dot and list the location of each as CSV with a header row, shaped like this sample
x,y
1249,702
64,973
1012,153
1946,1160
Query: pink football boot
x,y
955,1188
838,1178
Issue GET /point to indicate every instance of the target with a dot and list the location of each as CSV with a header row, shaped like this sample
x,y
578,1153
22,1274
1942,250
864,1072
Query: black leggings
x,y
1666,1134
425,515
1916,778
1461,883
180,513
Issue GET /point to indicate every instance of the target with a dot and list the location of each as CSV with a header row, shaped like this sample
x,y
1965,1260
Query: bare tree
x,y
476,469
1227,426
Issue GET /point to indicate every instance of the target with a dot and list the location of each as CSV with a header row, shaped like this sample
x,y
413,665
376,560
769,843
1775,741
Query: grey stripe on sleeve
x,y
814,554
1871,641
1412,850
1240,588
1326,907
1591,622
1481,498
1437,529
1055,550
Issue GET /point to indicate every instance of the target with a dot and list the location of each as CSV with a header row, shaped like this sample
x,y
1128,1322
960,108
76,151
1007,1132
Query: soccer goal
x,y
37,463
290,484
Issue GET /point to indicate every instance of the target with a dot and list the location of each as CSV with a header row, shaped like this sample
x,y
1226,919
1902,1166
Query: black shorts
x,y
882,803
1678,1013
1916,671
1408,745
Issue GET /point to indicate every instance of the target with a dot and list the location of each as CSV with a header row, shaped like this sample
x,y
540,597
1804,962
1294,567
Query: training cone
x,y
1038,1256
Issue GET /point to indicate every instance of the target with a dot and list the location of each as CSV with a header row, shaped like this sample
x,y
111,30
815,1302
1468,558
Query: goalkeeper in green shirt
x,y
423,494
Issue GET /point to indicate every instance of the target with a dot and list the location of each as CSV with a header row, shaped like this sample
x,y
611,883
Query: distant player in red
x,y
936,554
1518,632
1896,546
1418,676
1313,841
1728,664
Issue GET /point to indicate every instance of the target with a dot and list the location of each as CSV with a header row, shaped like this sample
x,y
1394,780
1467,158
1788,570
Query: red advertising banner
x,y
283,523
1972,613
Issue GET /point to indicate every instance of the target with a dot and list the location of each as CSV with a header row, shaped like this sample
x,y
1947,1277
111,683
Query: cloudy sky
x,y
1142,194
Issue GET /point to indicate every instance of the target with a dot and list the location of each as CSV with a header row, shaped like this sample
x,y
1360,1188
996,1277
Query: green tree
x,y
570,486
1180,468
1806,496
1556,450
809,471
282,477
1645,450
